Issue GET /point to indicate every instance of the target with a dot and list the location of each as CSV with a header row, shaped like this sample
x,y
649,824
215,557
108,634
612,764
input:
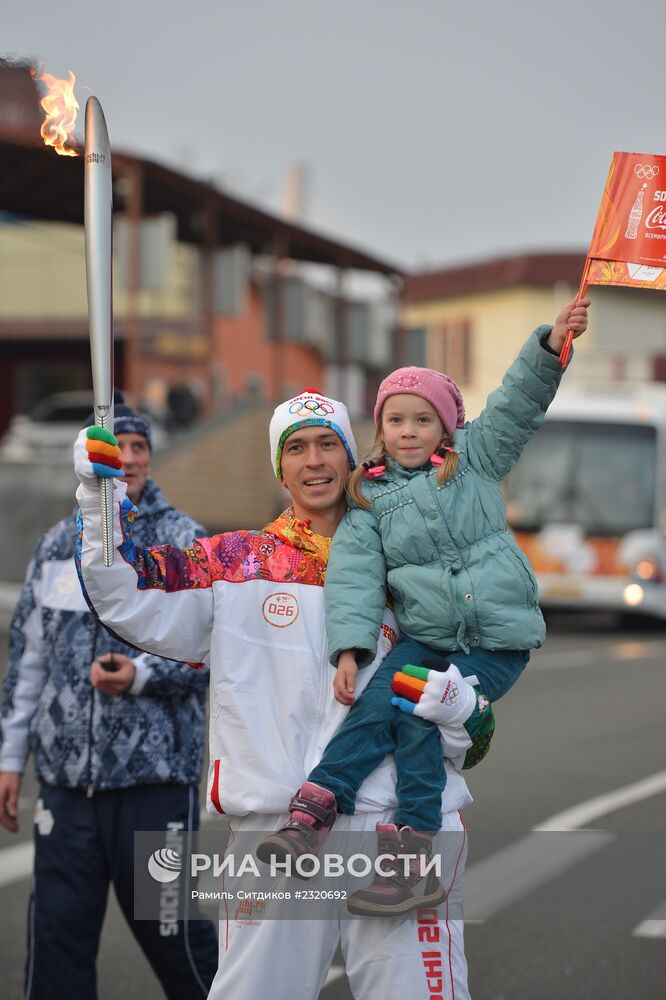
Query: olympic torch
x,y
98,239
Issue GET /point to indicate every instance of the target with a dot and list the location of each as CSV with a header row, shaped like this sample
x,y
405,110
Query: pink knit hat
x,y
440,391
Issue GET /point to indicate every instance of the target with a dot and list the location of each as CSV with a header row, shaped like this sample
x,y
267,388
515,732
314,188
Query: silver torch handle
x,y
98,200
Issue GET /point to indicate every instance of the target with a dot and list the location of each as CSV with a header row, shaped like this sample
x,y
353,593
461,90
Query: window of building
x,y
413,346
451,349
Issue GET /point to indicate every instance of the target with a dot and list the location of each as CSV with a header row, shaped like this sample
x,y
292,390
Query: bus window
x,y
599,476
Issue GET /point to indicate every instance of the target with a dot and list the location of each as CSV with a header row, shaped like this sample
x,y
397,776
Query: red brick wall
x,y
242,348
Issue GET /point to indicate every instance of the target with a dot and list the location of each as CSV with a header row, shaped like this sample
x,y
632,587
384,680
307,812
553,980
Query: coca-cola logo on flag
x,y
656,219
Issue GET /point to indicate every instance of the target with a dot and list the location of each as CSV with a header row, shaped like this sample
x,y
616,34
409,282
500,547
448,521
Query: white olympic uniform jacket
x,y
251,605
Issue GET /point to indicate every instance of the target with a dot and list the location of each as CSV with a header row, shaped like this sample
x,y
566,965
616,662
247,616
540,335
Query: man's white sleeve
x,y
158,599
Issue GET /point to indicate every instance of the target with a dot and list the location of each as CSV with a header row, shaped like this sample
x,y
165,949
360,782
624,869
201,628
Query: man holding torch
x,y
251,604
266,644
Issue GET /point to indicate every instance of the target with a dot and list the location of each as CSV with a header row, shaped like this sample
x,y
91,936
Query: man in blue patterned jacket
x,y
117,738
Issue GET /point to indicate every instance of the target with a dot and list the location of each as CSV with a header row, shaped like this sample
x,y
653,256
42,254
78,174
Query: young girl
x,y
429,529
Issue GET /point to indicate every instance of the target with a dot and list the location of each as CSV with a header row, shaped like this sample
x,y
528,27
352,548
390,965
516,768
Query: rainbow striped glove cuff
x,y
451,702
96,455
103,452
443,697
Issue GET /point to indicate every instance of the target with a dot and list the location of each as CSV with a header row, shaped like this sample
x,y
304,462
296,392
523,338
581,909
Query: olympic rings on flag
x,y
647,171
311,408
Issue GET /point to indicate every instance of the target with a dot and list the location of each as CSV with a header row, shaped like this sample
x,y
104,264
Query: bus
x,y
587,500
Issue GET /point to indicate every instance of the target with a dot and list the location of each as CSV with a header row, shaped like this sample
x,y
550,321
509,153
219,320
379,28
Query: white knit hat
x,y
309,409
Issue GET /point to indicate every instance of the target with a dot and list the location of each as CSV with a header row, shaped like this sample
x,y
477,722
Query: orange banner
x,y
616,272
628,245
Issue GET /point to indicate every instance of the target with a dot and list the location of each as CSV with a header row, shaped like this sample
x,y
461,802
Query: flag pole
x,y
582,289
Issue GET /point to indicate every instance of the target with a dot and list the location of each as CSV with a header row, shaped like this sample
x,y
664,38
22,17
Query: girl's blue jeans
x,y
375,728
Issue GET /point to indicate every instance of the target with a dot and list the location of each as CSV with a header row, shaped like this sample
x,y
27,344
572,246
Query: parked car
x,y
50,429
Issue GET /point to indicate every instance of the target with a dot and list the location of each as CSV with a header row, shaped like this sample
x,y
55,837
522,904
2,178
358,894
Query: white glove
x,y
443,697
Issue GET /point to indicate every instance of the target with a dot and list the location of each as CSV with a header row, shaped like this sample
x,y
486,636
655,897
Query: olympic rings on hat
x,y
647,170
311,408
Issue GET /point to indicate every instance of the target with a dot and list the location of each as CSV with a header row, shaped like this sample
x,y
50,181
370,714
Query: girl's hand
x,y
344,682
573,317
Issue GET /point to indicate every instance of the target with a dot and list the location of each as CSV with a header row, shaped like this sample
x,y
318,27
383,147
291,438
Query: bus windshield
x,y
599,476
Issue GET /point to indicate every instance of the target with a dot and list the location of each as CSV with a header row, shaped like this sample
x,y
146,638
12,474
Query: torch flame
x,y
60,106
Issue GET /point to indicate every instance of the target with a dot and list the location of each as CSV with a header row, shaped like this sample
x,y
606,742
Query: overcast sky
x,y
433,131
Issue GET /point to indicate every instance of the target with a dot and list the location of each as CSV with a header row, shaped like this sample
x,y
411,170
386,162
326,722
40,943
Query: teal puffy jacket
x,y
445,554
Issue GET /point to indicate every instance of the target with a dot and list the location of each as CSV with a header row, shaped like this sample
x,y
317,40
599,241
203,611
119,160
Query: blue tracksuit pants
x,y
374,728
88,845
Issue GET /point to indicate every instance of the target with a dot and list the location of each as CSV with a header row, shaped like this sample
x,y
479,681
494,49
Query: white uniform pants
x,y
417,957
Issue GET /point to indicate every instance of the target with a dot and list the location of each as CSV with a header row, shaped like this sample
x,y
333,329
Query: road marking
x,y
623,651
650,929
16,863
589,811
563,660
529,863
653,926
505,876
334,973
638,649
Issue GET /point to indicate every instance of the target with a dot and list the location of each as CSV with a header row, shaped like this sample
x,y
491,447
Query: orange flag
x,y
629,241
628,246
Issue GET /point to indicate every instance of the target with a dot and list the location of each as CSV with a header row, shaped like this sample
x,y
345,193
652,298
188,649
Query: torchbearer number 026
x,y
98,203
